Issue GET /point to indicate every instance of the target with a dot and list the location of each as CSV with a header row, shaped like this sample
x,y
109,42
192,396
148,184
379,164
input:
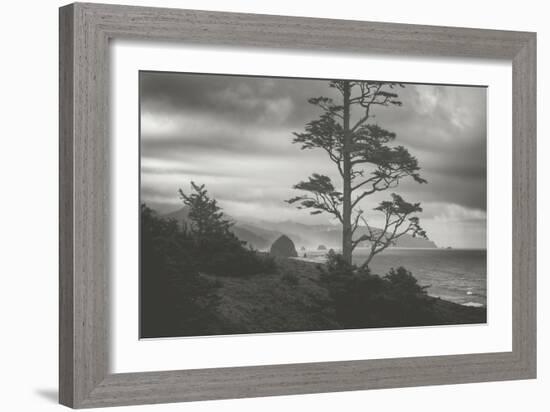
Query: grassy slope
x,y
271,303
268,303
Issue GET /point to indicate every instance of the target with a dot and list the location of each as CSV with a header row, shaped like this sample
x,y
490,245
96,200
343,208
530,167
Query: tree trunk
x,y
346,212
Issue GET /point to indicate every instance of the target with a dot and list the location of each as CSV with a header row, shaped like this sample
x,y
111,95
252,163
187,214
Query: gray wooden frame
x,y
85,31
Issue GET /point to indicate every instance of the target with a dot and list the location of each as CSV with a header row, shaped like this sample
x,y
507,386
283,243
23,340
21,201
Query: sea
x,y
456,275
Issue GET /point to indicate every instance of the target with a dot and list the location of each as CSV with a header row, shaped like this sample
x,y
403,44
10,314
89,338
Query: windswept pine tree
x,y
206,217
366,162
216,249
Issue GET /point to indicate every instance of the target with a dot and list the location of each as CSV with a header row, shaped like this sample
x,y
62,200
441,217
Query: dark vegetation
x,y
215,248
198,278
290,278
365,300
176,297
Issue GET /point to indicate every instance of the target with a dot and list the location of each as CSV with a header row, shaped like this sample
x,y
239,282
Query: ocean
x,y
456,275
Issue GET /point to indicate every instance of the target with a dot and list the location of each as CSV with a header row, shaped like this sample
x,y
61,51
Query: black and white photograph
x,y
275,206
291,204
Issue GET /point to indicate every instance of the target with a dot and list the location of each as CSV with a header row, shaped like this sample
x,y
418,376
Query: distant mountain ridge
x,y
331,235
261,234
256,237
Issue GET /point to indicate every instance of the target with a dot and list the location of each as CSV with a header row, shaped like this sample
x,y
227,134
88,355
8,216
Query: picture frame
x,y
84,353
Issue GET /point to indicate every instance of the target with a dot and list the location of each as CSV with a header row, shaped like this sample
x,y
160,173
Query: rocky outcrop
x,y
283,247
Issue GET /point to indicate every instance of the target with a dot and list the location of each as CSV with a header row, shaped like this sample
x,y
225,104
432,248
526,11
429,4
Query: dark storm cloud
x,y
170,170
235,134
228,141
448,123
443,126
470,193
251,100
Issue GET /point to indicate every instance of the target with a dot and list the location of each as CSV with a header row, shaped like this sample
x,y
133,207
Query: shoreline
x,y
467,304
338,249
268,303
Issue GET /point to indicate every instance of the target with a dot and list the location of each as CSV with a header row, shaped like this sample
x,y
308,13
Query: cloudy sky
x,y
234,134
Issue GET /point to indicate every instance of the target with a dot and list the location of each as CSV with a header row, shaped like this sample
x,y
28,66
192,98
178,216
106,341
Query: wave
x,y
474,304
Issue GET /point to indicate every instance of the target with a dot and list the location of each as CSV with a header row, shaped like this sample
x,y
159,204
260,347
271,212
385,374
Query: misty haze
x,y
281,205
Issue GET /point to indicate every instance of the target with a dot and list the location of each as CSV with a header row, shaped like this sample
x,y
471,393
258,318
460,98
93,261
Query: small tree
x,y
365,162
216,248
207,219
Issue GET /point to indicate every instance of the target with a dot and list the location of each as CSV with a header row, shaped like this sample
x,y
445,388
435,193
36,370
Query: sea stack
x,y
283,247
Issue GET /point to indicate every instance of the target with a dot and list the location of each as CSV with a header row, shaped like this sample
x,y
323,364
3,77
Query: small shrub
x,y
290,278
237,262
362,299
